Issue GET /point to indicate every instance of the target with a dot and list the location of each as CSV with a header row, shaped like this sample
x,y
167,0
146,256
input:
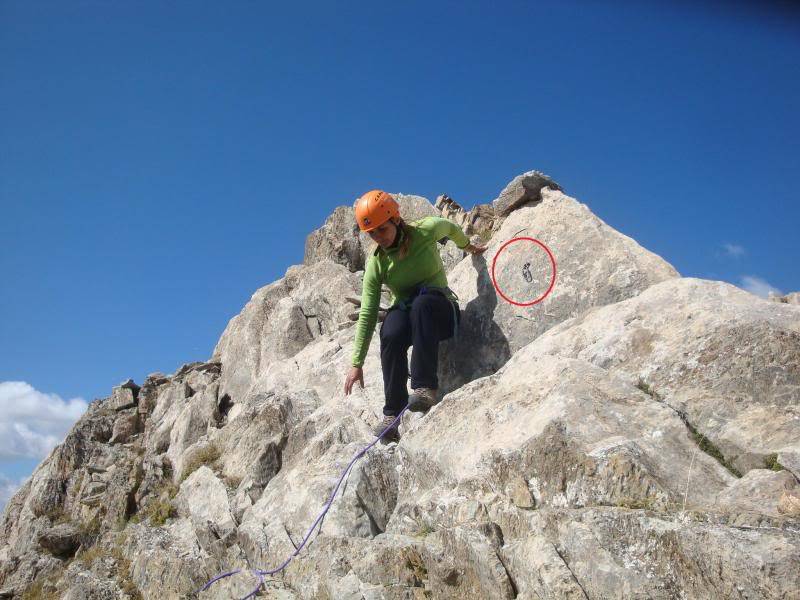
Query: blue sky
x,y
159,162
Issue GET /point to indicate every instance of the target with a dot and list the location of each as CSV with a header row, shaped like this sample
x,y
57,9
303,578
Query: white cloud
x,y
759,287
7,489
32,422
734,250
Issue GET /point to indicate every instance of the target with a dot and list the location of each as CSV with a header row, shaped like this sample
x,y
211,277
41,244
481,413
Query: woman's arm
x,y
368,315
442,227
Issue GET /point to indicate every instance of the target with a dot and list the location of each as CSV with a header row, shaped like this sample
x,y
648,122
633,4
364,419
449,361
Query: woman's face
x,y
384,234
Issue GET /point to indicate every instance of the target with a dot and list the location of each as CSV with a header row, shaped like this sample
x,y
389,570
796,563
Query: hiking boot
x,y
391,435
421,400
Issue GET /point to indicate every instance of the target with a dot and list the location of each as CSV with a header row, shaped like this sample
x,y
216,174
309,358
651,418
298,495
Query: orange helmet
x,y
374,208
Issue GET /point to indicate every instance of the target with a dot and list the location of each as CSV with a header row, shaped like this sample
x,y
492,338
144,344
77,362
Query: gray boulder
x,y
728,363
337,240
61,541
492,328
793,298
521,190
123,396
270,327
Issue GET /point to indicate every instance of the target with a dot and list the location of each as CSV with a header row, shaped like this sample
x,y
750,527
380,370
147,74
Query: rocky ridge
x,y
635,434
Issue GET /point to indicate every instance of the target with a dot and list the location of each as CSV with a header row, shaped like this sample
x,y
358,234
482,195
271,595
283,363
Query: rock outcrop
x,y
633,434
793,298
595,266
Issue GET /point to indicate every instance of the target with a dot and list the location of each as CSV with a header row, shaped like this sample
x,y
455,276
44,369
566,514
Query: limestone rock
x,y
169,562
192,423
337,240
577,435
260,334
793,298
204,500
760,490
476,223
479,221
789,504
125,426
149,392
61,541
729,363
614,552
123,397
609,441
86,586
790,460
155,471
521,190
253,444
539,571
493,328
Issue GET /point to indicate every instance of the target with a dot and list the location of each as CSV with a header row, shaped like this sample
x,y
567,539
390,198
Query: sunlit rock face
x,y
632,434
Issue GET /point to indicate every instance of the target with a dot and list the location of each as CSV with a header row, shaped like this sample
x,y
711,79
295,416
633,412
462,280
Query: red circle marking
x,y
552,279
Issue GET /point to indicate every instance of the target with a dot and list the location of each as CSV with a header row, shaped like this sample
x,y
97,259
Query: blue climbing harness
x,y
443,291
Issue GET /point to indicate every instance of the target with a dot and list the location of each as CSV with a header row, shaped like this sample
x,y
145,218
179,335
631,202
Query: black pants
x,y
429,321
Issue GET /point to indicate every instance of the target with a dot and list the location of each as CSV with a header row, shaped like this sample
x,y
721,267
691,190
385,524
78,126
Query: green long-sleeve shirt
x,y
422,266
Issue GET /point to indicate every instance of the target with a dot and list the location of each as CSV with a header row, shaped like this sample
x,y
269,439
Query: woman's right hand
x,y
355,374
473,249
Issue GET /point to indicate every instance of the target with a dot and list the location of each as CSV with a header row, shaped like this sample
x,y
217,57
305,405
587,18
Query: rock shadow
x,y
480,348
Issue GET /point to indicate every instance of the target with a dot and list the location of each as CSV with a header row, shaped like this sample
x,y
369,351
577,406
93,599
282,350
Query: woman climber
x,y
424,310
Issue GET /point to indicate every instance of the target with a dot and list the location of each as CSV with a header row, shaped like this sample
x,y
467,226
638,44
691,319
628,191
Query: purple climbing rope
x,y
259,573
